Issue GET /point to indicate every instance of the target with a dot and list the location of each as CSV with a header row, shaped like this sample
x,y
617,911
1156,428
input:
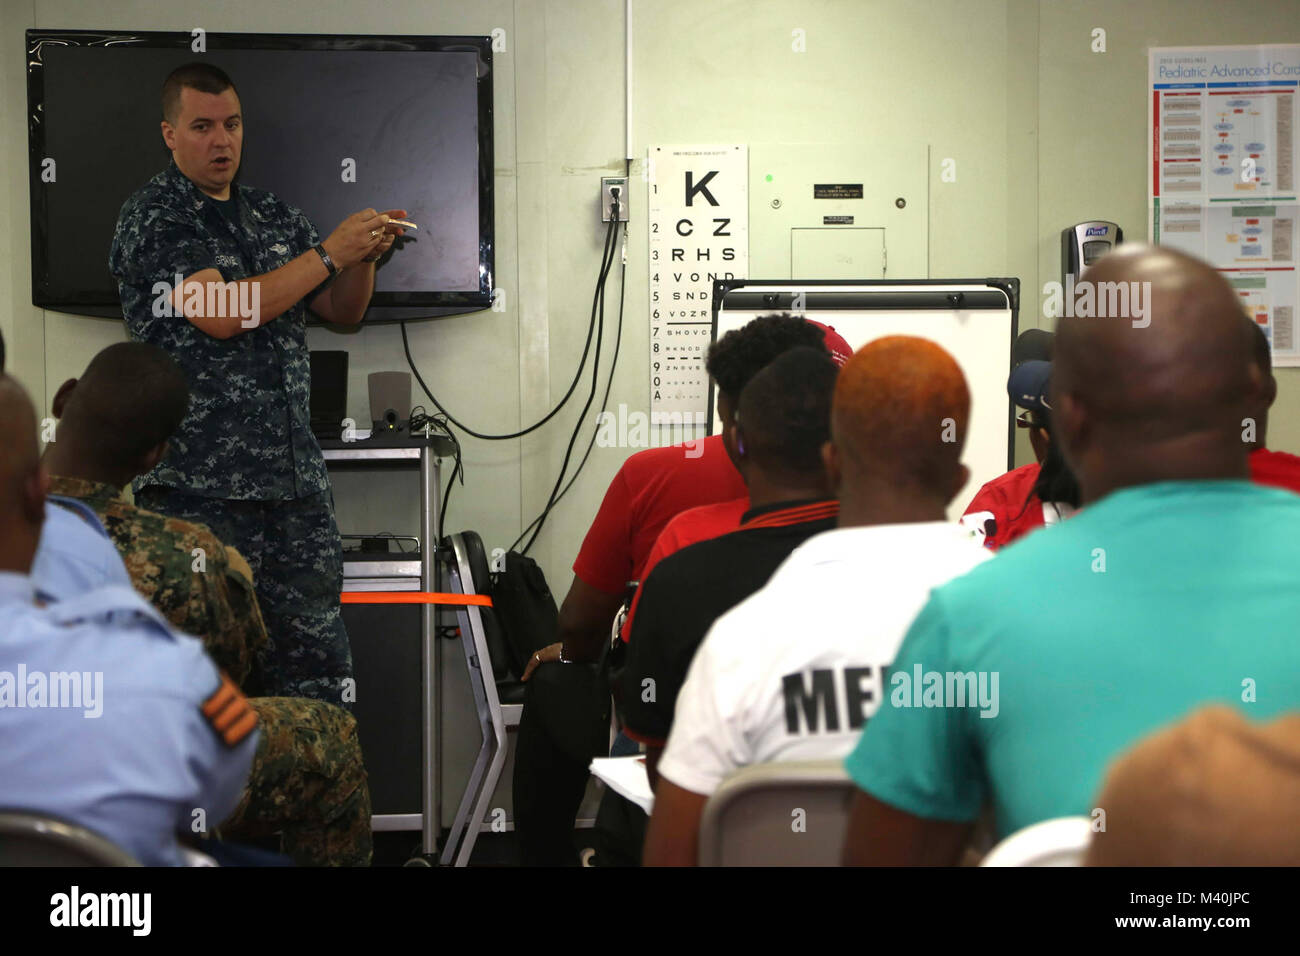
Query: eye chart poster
x,y
1221,169
698,219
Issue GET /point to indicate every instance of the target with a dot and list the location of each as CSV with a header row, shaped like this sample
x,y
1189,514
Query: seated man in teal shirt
x,y
1176,586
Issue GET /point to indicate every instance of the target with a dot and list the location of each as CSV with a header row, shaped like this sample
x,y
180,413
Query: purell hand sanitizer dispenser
x,y
1084,244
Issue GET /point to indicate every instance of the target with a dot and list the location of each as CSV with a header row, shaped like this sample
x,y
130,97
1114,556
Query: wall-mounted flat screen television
x,y
332,125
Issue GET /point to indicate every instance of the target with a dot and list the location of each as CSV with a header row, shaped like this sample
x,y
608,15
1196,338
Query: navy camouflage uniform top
x,y
247,434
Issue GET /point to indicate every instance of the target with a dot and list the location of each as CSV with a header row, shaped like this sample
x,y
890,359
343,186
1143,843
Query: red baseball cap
x,y
835,344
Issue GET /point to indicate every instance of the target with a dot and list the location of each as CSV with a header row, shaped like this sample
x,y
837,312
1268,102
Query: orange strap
x,y
413,597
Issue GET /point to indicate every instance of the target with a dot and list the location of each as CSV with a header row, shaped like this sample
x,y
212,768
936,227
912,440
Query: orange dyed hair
x,y
894,400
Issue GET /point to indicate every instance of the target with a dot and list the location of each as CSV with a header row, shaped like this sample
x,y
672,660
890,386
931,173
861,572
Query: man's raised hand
x,y
391,231
361,235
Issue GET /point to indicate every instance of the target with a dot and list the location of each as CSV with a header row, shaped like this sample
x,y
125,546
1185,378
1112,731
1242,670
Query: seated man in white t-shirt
x,y
795,671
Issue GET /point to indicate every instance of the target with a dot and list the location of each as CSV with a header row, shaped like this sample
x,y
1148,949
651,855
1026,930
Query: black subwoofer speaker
x,y
386,641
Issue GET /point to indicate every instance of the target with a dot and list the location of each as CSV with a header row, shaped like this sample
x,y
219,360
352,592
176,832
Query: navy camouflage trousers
x,y
296,556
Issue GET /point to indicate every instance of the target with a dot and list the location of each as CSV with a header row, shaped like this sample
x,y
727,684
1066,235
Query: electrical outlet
x,y
608,186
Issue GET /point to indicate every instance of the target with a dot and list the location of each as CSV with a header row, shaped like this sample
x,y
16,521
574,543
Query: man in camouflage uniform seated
x,y
205,588
307,781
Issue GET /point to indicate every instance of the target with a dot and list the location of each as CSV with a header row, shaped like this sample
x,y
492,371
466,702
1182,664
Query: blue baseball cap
x,y
1027,385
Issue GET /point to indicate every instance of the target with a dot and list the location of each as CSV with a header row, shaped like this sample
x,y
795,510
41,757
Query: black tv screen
x,y
414,114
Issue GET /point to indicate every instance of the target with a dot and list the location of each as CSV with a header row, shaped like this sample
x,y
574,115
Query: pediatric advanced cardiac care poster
x,y
1222,176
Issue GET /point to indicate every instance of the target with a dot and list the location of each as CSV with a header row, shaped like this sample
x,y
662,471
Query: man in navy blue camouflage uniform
x,y
220,275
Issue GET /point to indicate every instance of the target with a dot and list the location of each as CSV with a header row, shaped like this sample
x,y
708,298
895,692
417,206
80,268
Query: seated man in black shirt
x,y
782,421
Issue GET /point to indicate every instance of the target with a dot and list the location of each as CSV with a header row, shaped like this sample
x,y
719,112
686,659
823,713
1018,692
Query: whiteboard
x,y
975,320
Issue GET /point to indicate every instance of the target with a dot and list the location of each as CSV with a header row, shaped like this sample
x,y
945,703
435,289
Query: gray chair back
x,y
778,814
35,839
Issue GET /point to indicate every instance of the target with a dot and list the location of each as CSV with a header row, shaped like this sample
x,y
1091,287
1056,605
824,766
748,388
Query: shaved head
x,y
900,413
22,486
1161,397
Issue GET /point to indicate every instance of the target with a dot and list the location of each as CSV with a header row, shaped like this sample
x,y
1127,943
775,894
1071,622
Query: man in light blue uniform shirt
x,y
110,719
1177,585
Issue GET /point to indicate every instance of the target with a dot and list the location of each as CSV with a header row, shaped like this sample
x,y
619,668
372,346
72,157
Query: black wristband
x,y
325,257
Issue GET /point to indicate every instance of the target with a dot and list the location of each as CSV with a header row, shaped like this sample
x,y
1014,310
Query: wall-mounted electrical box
x,y
610,188
836,211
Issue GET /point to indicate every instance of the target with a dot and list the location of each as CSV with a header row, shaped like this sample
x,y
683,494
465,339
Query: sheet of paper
x,y
627,777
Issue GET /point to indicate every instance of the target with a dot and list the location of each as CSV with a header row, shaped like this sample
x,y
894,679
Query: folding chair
x,y
498,698
1060,842
37,839
778,814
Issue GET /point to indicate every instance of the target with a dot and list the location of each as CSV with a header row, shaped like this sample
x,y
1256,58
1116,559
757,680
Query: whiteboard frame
x,y
891,294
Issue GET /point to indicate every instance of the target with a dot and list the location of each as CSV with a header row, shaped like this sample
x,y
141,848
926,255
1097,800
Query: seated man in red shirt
x,y
560,723
1267,467
656,484
1028,497
711,521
